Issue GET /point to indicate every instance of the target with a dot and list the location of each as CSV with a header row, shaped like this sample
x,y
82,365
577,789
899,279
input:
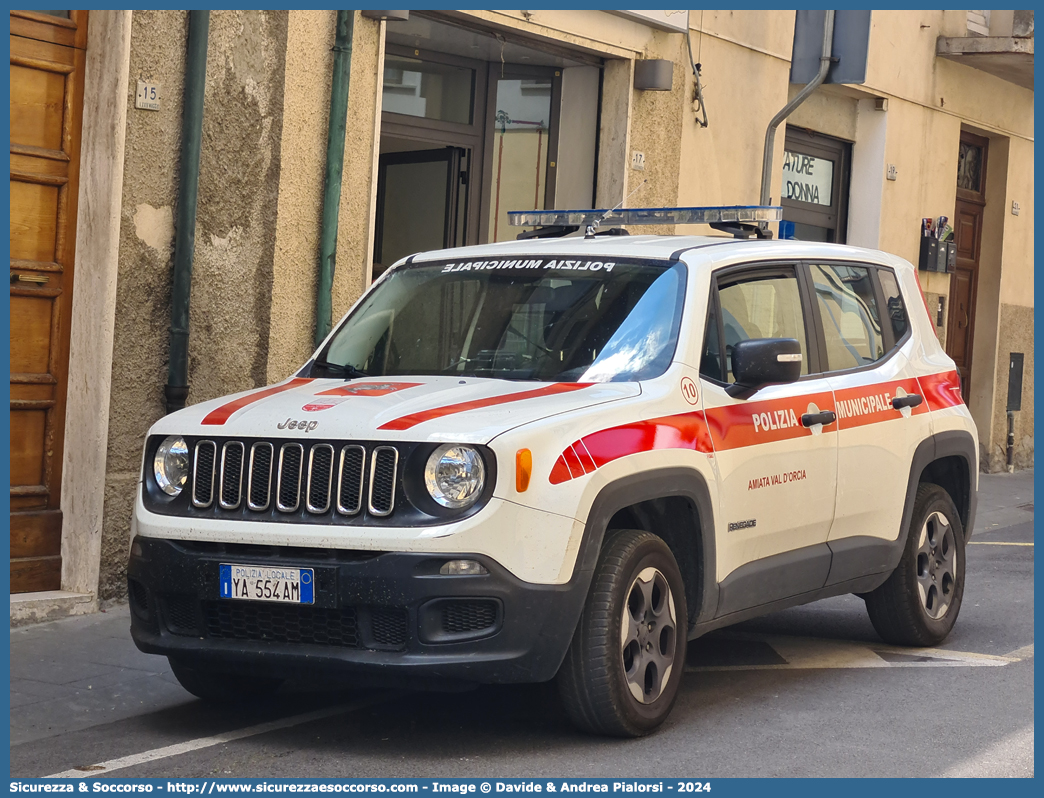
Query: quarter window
x,y
849,312
894,304
761,306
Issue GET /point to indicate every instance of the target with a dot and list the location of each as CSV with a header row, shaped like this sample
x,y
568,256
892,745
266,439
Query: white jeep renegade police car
x,y
565,457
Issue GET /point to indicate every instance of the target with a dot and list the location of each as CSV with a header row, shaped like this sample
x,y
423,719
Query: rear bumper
x,y
387,615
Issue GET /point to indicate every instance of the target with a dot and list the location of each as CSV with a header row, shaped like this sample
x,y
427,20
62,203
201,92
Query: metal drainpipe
x,y
334,172
788,109
188,191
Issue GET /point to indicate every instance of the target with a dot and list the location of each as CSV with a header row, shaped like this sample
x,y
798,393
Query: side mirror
x,y
758,362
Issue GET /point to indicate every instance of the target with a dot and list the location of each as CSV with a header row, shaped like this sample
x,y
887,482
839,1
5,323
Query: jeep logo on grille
x,y
304,426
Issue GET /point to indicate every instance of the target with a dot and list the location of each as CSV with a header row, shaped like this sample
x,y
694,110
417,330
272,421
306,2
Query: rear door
x,y
777,476
881,415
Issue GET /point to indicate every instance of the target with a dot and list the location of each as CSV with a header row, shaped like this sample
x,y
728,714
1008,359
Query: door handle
x,y
823,417
38,279
910,400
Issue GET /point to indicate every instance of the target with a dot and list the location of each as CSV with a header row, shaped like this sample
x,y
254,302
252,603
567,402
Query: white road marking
x,y
206,742
1026,652
804,653
995,543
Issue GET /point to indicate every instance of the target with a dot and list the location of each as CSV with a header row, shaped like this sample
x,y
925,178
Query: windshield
x,y
545,319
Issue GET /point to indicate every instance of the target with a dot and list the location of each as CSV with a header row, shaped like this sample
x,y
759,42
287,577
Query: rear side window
x,y
850,315
894,307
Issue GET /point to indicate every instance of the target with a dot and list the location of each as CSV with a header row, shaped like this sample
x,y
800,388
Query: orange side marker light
x,y
523,469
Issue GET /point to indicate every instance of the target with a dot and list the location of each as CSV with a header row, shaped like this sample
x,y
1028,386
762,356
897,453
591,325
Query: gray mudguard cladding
x,y
849,565
659,484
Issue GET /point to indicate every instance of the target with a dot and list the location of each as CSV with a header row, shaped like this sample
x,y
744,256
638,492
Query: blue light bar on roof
x,y
710,214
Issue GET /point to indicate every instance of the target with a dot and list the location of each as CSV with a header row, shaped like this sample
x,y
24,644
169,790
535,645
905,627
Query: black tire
x,y
919,603
219,687
596,679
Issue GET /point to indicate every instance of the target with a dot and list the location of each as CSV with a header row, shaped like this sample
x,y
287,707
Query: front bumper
x,y
388,615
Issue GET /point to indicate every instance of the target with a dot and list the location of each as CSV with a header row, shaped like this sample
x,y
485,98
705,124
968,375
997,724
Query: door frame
x,y
834,216
452,156
976,198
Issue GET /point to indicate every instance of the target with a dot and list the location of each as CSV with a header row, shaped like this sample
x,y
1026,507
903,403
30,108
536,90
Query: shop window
x,y
815,187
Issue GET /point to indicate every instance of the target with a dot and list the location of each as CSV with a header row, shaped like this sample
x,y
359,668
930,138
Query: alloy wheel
x,y
936,565
648,635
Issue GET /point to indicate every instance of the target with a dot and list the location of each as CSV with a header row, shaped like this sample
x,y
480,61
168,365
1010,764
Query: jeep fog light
x,y
171,464
462,568
455,475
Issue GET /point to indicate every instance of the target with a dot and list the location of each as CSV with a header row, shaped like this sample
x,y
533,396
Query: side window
x,y
851,322
762,306
894,303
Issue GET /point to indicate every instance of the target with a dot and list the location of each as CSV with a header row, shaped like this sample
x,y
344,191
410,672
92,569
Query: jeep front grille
x,y
292,476
203,473
231,475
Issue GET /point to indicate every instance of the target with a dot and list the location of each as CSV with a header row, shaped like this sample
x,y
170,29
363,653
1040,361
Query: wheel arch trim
x,y
660,483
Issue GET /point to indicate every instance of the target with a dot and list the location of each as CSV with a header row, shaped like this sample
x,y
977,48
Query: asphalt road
x,y
810,691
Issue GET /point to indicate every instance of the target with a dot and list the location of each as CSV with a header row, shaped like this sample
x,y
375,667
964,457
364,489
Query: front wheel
x,y
919,602
621,674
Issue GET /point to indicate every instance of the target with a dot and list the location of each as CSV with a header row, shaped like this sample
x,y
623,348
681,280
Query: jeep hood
x,y
468,410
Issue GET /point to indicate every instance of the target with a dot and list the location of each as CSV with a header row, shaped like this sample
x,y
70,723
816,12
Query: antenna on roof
x,y
592,226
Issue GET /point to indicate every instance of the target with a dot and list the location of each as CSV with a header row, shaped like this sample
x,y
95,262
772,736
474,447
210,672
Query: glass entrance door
x,y
420,203
521,142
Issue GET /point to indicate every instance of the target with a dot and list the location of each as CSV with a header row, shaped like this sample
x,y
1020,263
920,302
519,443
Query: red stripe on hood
x,y
222,414
413,419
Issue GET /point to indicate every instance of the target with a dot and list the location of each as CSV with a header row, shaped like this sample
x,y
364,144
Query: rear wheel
x,y
623,668
919,603
220,687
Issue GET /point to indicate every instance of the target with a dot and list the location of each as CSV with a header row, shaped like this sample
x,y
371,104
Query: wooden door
x,y
967,233
47,64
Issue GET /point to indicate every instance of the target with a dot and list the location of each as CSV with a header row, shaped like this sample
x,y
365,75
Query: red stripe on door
x,y
222,414
413,419
751,423
941,391
870,404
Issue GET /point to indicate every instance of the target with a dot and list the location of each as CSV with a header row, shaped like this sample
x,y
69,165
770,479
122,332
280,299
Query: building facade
x,y
453,119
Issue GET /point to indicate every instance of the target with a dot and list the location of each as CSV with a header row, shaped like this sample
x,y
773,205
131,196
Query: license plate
x,y
268,583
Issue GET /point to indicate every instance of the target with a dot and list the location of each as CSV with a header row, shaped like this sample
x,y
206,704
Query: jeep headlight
x,y
455,475
171,465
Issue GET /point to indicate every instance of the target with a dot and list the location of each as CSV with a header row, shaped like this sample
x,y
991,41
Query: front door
x,y
47,65
967,231
777,468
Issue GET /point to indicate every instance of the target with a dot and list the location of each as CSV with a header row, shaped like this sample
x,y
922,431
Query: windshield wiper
x,y
350,372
